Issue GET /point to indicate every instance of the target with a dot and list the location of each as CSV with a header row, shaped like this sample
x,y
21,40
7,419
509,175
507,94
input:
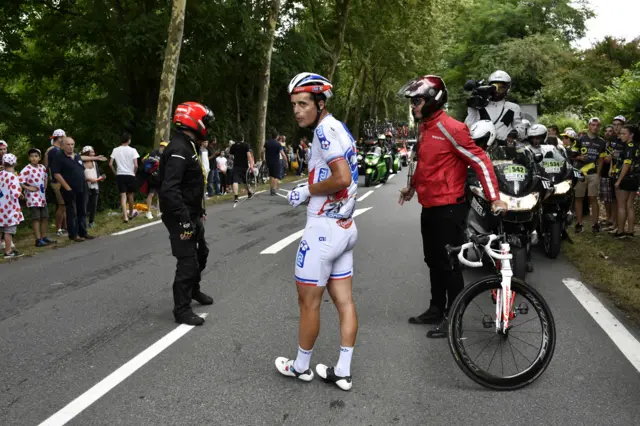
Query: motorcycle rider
x,y
506,116
445,149
181,199
382,143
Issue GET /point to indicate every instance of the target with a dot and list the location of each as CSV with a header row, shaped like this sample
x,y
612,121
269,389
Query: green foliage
x,y
563,120
621,97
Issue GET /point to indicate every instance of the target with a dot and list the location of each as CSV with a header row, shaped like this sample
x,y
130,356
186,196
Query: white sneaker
x,y
285,367
329,376
149,215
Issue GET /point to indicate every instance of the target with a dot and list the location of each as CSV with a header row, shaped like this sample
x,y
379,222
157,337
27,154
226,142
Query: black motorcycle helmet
x,y
431,88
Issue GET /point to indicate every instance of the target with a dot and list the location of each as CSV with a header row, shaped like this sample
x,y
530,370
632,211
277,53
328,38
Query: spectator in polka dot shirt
x,y
10,211
33,179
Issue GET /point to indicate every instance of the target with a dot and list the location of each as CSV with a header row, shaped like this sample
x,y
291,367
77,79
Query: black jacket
x,y
182,190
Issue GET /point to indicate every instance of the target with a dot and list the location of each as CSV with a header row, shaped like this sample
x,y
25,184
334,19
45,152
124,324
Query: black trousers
x,y
440,226
76,213
192,256
92,204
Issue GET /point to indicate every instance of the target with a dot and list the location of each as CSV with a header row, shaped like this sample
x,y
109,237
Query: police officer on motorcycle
x,y
182,205
506,116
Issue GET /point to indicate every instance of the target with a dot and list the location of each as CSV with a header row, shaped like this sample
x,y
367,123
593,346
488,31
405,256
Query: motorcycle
x,y
556,214
375,167
394,160
522,189
403,154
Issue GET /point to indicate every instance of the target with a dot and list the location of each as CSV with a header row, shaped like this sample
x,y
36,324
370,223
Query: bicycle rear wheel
x,y
509,345
252,181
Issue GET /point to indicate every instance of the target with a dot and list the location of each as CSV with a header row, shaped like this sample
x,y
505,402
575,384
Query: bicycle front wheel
x,y
482,352
252,181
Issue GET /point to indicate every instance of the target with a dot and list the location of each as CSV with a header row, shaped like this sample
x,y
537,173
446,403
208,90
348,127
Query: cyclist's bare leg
x,y
631,211
622,197
309,301
341,294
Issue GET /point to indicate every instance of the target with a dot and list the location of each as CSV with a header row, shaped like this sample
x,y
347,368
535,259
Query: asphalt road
x,y
70,317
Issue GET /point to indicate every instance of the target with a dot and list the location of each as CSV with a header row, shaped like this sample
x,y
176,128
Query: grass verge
x,y
107,222
611,266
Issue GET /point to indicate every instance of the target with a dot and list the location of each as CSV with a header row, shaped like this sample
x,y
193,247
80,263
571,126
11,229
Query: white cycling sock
x,y
303,359
343,368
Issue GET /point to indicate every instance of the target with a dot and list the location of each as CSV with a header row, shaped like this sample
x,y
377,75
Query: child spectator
x,y
33,179
221,165
93,189
10,211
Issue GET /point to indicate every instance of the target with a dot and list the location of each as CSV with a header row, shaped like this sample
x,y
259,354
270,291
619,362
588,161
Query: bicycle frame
x,y
504,297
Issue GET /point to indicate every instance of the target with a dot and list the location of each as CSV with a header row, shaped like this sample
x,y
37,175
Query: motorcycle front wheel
x,y
367,180
553,240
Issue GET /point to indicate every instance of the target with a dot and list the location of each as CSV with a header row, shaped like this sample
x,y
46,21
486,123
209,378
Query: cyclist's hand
x,y
299,195
406,194
187,230
499,206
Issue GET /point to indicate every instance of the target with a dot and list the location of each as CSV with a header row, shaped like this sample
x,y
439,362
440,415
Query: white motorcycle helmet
x,y
500,76
526,125
483,133
538,131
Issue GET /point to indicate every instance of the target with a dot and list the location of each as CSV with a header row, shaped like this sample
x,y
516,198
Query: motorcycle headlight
x,y
563,187
521,203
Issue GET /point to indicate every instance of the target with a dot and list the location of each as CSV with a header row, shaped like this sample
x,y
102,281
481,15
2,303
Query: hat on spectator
x,y
594,120
620,118
36,150
57,133
570,133
9,159
4,143
86,149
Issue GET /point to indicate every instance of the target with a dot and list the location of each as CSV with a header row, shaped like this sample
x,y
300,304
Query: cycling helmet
x,y
539,132
429,87
312,83
500,77
193,116
483,133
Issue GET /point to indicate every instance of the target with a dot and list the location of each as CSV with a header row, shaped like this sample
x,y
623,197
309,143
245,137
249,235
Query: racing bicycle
x,y
252,179
494,339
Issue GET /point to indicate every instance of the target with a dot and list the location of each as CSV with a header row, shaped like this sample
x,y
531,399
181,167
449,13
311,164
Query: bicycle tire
x,y
252,181
535,370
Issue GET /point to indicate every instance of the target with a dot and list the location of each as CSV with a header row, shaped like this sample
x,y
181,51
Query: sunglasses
x,y
416,101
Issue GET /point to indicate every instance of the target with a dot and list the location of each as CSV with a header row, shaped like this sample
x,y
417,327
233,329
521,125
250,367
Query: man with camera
x,y
489,103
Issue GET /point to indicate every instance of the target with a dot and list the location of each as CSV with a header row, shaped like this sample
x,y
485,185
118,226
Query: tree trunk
x,y
356,124
169,72
352,87
238,119
342,16
263,96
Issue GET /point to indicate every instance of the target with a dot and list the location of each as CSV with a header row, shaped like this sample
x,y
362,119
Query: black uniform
x,y
631,156
182,202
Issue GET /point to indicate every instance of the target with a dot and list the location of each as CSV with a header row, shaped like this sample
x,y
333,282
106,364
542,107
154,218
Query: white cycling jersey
x,y
331,142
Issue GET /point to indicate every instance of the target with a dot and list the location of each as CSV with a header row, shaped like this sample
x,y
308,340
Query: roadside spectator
x,y
242,161
126,159
206,167
274,155
627,181
589,153
554,131
213,178
606,188
152,182
10,194
93,188
49,158
68,170
33,179
4,148
221,165
616,149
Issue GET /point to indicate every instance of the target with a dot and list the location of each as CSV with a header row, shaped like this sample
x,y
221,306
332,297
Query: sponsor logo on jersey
x,y
323,174
302,253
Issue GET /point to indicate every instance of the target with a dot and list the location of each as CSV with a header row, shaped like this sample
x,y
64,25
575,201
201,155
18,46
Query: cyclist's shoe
x,y
189,318
285,367
441,331
202,298
579,228
529,266
433,315
329,376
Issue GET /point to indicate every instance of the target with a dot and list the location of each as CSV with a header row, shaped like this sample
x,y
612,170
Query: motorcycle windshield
x,y
374,151
554,164
513,179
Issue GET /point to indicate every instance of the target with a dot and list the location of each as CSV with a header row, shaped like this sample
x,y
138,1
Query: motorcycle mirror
x,y
538,157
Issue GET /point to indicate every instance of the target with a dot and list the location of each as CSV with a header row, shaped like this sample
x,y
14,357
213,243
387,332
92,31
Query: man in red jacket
x,y
444,151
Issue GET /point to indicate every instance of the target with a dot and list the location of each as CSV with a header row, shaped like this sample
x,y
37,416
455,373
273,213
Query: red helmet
x,y
193,116
429,87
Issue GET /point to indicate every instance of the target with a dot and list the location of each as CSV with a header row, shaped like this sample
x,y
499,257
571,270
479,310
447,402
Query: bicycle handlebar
x,y
479,240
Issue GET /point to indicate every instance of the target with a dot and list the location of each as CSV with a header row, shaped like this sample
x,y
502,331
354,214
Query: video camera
x,y
480,93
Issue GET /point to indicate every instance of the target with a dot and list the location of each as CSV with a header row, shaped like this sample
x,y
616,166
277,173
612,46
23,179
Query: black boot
x,y
202,298
433,315
189,318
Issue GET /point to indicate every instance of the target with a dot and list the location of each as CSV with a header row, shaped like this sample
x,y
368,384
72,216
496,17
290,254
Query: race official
x,y
181,198
445,149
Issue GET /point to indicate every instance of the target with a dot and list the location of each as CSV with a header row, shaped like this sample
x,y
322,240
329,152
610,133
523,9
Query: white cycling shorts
x,y
326,251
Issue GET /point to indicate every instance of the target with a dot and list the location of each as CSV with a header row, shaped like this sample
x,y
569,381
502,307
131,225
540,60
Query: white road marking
x,y
146,225
275,248
365,196
283,196
378,186
624,340
79,404
298,181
